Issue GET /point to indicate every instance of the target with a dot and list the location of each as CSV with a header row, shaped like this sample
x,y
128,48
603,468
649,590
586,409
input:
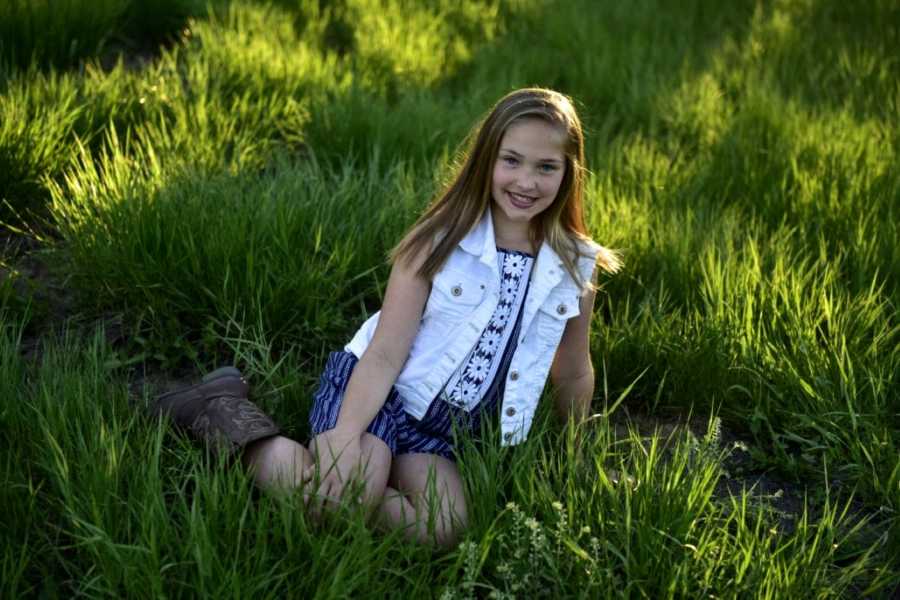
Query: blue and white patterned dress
x,y
481,367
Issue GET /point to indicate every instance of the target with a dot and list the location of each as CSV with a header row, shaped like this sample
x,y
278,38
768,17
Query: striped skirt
x,y
435,433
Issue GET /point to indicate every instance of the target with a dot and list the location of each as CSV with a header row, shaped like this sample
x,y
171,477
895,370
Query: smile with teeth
x,y
520,201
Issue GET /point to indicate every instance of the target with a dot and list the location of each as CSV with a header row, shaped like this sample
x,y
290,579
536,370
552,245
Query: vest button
x,y
507,436
456,290
514,375
561,309
510,411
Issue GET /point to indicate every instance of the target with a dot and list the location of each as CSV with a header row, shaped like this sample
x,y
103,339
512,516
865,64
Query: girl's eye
x,y
510,160
548,168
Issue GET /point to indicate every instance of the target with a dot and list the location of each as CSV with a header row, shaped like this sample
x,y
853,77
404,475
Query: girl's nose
x,y
528,182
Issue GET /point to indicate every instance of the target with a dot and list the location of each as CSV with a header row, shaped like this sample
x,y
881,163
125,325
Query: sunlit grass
x,y
234,199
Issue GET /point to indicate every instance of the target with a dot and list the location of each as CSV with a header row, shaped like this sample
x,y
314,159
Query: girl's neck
x,y
511,235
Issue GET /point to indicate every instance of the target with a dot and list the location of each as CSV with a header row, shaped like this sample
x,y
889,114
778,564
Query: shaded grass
x,y
152,514
62,32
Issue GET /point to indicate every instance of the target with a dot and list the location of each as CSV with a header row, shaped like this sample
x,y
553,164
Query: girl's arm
x,y
338,451
381,363
572,372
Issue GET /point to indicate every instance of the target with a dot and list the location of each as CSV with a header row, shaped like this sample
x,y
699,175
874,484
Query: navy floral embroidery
x,y
467,386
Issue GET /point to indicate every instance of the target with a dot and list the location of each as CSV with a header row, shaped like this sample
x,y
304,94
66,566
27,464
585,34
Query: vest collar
x,y
480,242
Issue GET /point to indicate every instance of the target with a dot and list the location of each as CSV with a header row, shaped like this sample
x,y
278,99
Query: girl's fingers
x,y
307,474
318,500
322,492
334,494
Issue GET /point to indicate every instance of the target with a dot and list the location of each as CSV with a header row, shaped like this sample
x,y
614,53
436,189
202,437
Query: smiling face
x,y
530,167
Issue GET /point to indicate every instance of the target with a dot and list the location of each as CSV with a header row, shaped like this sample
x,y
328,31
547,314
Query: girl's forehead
x,y
535,138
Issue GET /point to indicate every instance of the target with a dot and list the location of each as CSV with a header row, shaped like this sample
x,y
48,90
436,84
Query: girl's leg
x,y
279,464
369,479
425,499
217,411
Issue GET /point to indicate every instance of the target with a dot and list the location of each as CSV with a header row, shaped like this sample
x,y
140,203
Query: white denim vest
x,y
464,294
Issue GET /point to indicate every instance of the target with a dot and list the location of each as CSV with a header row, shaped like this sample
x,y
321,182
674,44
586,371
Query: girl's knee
x,y
448,535
447,525
277,462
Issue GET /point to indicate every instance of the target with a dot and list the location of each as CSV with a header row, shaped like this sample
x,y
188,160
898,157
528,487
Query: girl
x,y
491,290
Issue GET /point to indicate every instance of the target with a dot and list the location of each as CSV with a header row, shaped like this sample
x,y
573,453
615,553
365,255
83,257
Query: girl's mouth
x,y
519,201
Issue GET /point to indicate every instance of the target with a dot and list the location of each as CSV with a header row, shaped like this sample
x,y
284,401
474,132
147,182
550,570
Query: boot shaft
x,y
217,412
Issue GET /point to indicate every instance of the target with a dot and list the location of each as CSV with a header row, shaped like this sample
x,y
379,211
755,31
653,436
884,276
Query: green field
x,y
186,185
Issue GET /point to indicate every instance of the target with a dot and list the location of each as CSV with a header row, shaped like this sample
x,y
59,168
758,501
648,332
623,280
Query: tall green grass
x,y
246,84
235,199
105,501
35,145
297,250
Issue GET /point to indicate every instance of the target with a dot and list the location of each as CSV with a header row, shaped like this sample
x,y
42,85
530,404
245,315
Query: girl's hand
x,y
337,455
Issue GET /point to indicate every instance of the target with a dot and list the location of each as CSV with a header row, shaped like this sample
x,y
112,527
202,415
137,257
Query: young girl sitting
x,y
490,291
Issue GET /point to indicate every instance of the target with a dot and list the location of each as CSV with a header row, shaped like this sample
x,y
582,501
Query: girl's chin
x,y
517,215
514,213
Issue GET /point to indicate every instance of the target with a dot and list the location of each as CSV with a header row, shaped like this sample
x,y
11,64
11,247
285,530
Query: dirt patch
x,y
41,286
786,498
35,286
52,306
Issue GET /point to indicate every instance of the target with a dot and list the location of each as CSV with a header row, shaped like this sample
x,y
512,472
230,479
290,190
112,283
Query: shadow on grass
x,y
63,34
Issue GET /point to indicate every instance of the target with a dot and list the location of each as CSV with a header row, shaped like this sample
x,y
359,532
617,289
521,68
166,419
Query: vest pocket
x,y
454,295
558,308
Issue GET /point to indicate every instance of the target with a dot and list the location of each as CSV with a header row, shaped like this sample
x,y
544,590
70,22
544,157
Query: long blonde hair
x,y
456,210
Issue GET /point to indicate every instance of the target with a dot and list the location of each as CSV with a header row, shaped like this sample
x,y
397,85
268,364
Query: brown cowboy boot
x,y
217,412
